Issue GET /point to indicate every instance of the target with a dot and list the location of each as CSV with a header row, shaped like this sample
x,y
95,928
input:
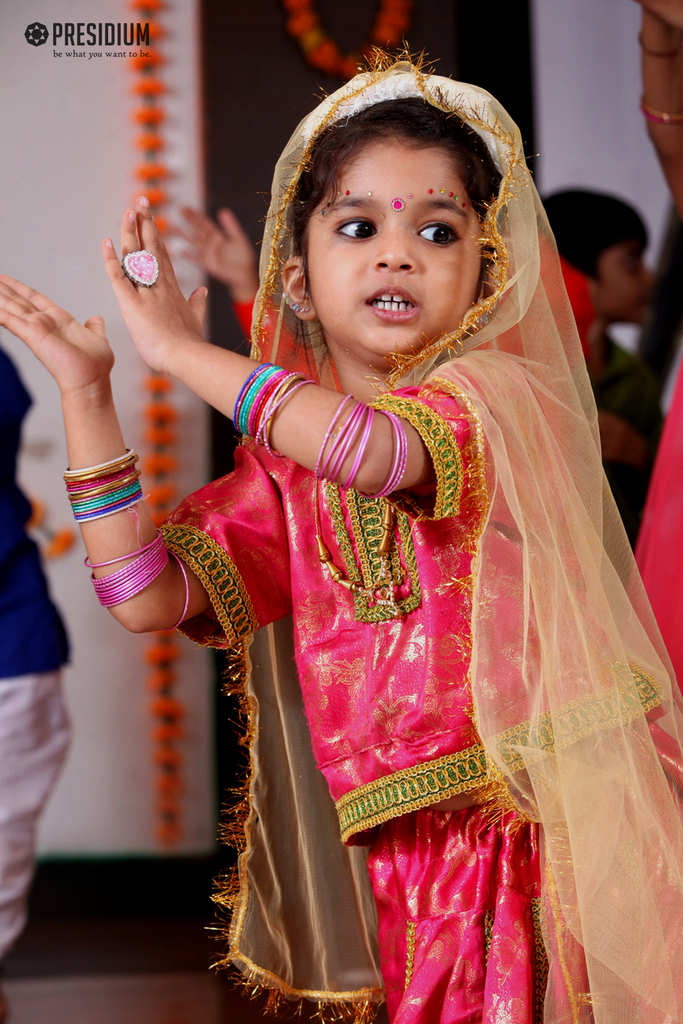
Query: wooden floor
x,y
193,997
182,998
88,956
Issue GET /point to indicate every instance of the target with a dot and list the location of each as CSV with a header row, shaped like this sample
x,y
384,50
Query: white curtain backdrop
x,y
66,175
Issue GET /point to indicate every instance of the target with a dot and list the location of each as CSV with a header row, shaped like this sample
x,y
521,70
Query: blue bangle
x,y
251,396
243,389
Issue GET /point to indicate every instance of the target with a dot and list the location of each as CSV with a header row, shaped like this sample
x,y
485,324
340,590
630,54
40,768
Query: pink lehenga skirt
x,y
458,901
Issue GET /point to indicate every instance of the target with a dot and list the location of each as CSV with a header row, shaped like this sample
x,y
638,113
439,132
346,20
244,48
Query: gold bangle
x,y
660,116
658,53
98,472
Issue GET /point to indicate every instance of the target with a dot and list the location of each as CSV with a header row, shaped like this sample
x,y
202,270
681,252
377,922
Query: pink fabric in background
x,y
659,551
460,883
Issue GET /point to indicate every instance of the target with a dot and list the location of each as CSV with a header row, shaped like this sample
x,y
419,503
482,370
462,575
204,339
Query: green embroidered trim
x,y
541,966
608,709
488,933
366,520
410,789
220,576
428,783
440,444
410,957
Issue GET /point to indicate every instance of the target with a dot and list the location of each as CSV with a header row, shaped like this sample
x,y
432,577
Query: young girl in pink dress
x,y
447,619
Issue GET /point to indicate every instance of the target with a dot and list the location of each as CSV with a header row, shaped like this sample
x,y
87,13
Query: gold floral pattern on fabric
x,y
366,515
410,957
541,966
615,706
441,445
410,789
219,575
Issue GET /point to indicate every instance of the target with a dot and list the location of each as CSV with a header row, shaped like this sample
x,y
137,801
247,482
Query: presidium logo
x,y
36,34
86,34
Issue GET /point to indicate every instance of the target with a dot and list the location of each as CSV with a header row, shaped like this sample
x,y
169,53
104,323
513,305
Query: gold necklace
x,y
385,592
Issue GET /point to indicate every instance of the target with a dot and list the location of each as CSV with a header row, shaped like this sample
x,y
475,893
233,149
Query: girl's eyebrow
x,y
366,202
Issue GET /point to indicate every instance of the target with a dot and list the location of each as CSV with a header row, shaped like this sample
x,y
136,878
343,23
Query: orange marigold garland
x,y
159,463
319,48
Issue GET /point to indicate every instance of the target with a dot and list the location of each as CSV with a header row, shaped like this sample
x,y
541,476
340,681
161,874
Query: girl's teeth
x,y
391,303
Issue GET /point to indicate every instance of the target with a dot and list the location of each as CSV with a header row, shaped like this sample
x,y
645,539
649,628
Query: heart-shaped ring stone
x,y
141,267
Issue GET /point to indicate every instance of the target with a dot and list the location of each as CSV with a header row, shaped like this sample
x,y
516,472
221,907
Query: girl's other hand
x,y
160,316
77,355
223,250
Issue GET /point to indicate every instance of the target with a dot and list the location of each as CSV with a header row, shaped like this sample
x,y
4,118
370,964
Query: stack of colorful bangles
x,y
262,395
267,389
100,491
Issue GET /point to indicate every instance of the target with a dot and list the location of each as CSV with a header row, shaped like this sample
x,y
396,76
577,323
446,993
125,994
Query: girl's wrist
x,y
95,395
181,354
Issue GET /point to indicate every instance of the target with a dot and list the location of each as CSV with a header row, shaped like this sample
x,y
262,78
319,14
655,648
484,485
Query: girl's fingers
x,y
11,288
123,286
197,303
150,238
129,235
96,324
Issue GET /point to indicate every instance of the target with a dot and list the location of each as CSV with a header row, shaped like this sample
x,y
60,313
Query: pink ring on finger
x,y
141,267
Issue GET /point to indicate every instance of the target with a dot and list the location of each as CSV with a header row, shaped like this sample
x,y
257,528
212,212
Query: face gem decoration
x,y
141,267
398,205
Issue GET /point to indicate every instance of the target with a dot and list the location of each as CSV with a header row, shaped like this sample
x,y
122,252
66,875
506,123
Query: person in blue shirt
x,y
34,726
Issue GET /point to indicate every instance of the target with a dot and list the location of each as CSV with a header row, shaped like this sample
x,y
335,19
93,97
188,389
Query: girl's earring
x,y
295,306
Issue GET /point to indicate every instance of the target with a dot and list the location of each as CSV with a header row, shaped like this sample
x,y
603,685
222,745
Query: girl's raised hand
x,y
77,355
159,316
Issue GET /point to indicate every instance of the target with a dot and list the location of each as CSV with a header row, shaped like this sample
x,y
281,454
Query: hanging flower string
x,y
159,465
321,51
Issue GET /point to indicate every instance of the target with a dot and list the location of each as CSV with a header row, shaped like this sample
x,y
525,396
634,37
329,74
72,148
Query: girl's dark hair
x,y
413,121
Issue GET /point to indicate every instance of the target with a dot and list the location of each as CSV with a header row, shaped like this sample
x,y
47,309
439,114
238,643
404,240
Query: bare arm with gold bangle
x,y
661,41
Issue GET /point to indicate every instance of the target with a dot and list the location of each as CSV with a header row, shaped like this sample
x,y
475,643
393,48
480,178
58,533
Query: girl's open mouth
x,y
393,306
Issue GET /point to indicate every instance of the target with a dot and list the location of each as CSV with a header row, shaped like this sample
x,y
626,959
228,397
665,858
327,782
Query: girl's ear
x,y
294,289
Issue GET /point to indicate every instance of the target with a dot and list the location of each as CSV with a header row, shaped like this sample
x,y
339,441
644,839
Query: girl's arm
x,y
170,341
662,57
79,358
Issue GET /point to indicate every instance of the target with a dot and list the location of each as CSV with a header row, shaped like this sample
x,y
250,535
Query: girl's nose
x,y
394,253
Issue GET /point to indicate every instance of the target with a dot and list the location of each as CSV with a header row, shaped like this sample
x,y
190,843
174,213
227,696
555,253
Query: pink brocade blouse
x,y
387,698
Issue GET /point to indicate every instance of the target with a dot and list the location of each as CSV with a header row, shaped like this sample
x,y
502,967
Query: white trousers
x,y
34,738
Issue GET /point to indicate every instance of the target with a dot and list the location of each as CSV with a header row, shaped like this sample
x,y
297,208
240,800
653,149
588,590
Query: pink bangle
x,y
398,467
187,590
135,577
361,448
121,558
344,443
316,471
274,405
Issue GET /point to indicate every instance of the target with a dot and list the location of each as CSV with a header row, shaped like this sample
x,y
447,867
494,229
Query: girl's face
x,y
395,260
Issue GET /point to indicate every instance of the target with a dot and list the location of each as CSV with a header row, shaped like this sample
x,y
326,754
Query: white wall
x,y
65,179
590,132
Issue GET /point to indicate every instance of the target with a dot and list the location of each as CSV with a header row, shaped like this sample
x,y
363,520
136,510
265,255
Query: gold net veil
x,y
572,688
